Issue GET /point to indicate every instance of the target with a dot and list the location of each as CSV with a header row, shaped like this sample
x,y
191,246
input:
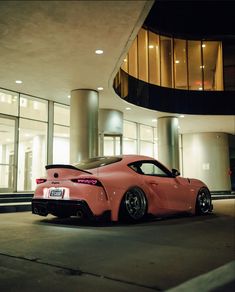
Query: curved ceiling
x,y
50,46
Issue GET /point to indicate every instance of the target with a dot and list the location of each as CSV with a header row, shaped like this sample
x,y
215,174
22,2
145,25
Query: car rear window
x,y
96,162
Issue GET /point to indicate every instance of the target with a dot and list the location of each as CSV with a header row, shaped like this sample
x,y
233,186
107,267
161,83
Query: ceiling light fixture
x,y
181,116
151,46
203,45
100,88
99,52
177,61
128,108
154,120
18,81
200,88
69,96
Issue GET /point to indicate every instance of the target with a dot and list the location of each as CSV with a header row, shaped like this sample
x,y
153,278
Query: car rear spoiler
x,y
69,166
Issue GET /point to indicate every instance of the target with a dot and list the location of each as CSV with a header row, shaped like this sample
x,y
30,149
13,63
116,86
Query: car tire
x,y
203,202
133,205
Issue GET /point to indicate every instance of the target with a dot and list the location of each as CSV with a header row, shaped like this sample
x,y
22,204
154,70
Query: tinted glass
x,y
96,162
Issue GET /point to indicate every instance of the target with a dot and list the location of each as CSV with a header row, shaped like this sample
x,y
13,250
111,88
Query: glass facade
x,y
24,137
175,63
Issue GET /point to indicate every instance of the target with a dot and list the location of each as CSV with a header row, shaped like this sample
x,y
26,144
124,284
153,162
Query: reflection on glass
x,y
33,108
195,65
154,59
166,61
9,102
180,64
129,146
143,55
32,153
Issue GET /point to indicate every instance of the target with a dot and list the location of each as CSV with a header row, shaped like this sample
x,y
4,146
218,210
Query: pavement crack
x,y
77,272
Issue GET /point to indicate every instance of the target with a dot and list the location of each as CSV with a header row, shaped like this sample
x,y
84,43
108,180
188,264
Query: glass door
x,y
7,154
110,145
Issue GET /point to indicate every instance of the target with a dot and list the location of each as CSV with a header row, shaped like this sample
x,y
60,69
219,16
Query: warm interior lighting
x,y
177,61
154,120
181,116
128,108
203,45
18,81
202,66
200,88
69,96
100,88
125,60
151,46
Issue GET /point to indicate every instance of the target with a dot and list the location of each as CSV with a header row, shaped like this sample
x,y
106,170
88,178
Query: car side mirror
x,y
175,172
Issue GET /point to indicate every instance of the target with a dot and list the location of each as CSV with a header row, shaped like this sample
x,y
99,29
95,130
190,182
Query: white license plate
x,y
56,193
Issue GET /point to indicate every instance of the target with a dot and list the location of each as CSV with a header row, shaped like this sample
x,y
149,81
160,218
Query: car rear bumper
x,y
61,208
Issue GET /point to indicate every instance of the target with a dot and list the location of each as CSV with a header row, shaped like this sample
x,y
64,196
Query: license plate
x,y
56,193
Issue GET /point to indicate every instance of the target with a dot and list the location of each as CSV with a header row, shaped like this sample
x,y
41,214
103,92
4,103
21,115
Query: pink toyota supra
x,y
126,187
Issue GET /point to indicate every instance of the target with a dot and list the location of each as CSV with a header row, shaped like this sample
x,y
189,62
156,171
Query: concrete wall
x,y
206,156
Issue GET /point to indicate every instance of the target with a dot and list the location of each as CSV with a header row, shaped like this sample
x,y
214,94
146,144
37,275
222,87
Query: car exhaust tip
x,y
80,214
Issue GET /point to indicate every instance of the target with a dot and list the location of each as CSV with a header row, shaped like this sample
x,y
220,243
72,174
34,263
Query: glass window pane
x,y
146,133
7,154
146,148
195,65
61,114
33,108
32,153
154,59
132,58
143,54
9,102
129,130
129,146
212,66
61,144
166,61
180,64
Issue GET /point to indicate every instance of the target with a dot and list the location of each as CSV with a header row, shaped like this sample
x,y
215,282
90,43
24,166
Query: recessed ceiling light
x,y
200,88
203,45
151,46
69,96
100,88
18,81
128,108
99,52
154,120
181,116
177,61
125,60
202,66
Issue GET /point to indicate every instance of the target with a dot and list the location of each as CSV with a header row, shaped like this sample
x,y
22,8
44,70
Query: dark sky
x,y
209,19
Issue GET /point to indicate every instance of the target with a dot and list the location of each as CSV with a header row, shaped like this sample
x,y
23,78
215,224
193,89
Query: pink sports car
x,y
127,187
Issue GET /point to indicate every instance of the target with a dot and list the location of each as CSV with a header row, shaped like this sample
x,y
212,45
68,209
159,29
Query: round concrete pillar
x,y
110,122
83,124
168,141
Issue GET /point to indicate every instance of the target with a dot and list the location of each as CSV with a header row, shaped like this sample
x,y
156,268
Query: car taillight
x,y
87,181
40,180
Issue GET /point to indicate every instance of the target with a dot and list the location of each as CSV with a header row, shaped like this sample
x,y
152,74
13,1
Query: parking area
x,y
38,253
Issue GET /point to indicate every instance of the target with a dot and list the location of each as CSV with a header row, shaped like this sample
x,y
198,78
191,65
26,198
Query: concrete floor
x,y
48,254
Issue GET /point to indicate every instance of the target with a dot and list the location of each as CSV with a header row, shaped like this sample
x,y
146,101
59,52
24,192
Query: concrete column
x,y
83,124
206,157
168,141
110,123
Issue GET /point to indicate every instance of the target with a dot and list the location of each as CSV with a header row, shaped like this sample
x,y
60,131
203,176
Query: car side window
x,y
152,169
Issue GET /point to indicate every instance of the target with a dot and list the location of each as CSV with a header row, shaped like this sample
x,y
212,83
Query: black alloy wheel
x,y
134,205
203,203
